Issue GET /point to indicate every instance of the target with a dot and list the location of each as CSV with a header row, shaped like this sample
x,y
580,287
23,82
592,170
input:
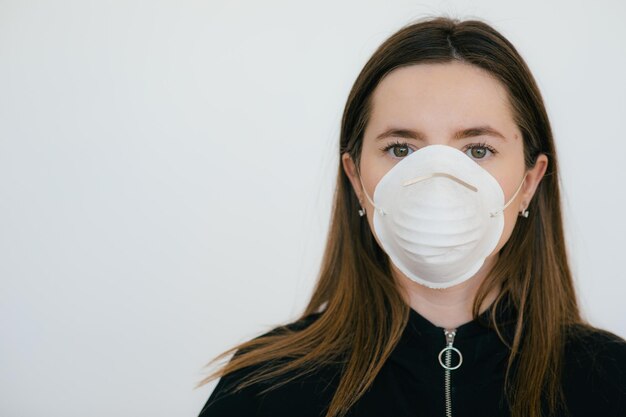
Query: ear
x,y
350,169
533,178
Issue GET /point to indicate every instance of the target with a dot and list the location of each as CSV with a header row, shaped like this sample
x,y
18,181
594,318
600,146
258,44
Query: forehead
x,y
454,92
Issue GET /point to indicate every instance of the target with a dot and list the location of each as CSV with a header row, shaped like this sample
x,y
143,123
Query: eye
x,y
479,150
400,149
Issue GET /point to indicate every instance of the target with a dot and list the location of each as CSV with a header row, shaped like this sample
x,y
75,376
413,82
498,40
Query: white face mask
x,y
438,215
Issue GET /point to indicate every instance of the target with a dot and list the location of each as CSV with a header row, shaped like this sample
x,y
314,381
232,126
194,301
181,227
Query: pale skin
x,y
439,100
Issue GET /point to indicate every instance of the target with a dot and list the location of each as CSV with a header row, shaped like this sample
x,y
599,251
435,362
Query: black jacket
x,y
412,381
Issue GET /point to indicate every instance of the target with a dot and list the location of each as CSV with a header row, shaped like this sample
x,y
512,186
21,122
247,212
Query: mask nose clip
x,y
440,174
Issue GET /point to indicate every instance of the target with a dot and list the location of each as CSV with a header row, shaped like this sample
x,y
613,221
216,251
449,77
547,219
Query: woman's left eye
x,y
479,150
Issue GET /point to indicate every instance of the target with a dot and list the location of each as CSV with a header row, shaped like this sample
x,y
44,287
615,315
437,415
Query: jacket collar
x,y
505,317
484,354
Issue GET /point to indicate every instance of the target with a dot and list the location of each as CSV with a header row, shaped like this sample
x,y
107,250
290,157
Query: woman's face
x,y
454,104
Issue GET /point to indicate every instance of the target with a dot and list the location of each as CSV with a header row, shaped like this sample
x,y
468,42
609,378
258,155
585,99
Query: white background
x,y
166,173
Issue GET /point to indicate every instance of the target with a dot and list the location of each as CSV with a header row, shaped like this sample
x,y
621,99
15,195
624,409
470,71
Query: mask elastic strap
x,y
492,214
498,212
380,210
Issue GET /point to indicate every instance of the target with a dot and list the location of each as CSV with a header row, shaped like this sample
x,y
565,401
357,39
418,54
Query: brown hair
x,y
532,268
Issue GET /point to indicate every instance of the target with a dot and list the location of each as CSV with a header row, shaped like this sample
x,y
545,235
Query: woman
x,y
445,287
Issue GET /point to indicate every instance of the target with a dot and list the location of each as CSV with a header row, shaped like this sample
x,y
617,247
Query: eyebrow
x,y
461,134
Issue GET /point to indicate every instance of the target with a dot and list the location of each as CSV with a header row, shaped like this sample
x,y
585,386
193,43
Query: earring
x,y
362,210
524,213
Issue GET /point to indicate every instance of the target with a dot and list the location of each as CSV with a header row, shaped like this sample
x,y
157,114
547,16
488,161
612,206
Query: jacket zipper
x,y
447,366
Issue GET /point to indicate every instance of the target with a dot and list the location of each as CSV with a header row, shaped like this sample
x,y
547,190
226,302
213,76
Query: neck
x,y
447,307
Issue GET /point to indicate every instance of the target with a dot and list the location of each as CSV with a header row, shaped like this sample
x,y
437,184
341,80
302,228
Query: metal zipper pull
x,y
449,333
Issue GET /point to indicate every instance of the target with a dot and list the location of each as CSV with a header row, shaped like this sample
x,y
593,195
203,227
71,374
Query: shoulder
x,y
594,370
225,400
586,343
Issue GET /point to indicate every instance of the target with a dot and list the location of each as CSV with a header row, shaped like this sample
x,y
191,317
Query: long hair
x,y
532,269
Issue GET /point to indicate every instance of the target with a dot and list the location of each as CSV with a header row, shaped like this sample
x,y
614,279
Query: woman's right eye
x,y
399,150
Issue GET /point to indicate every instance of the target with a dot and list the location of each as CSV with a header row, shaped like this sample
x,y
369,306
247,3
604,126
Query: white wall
x,y
166,170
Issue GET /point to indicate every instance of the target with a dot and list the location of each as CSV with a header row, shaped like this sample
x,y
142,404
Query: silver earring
x,y
524,213
362,210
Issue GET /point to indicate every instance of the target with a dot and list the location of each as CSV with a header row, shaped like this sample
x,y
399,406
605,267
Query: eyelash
x,y
467,147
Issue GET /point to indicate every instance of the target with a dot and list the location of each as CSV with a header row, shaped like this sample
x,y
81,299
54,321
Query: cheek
x,y
373,168
510,219
371,175
509,183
